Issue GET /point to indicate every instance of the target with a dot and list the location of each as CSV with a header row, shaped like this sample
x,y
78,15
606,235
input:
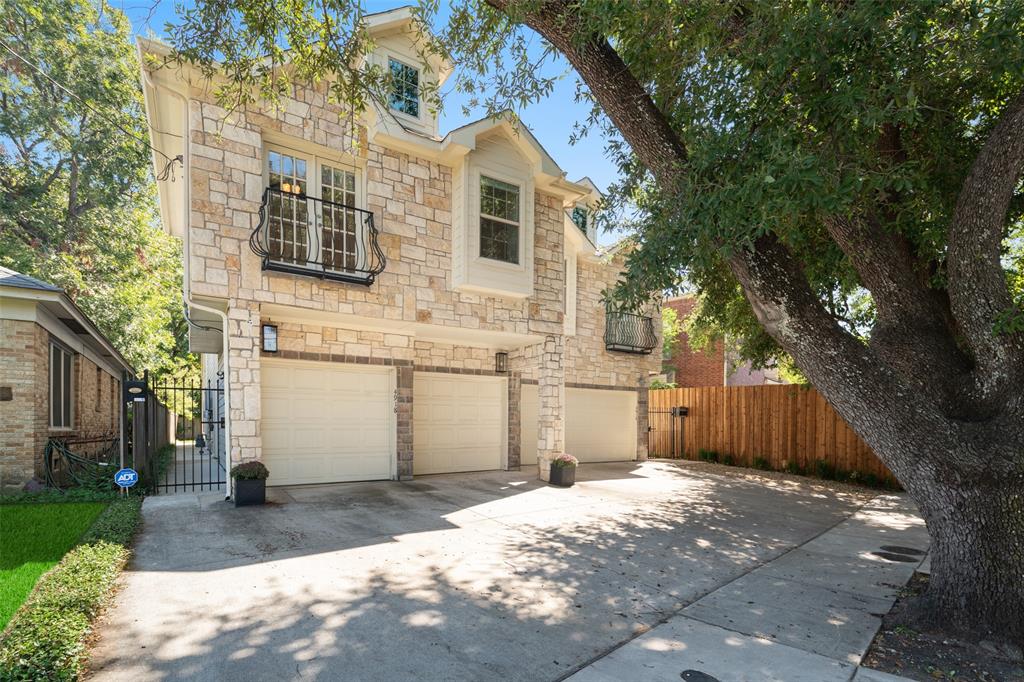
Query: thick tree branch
x,y
977,284
912,330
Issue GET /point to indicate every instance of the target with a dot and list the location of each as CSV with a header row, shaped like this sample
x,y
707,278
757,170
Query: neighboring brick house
x,y
412,304
59,376
709,367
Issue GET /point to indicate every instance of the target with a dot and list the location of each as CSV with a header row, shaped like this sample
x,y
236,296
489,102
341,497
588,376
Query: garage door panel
x,y
600,425
326,423
458,423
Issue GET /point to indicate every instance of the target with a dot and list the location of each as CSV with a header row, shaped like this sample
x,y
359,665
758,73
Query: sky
x,y
550,120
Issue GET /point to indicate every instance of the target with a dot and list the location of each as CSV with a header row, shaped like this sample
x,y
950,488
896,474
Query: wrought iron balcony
x,y
304,235
629,333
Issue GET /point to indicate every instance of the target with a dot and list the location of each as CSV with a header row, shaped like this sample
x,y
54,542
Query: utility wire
x,y
168,169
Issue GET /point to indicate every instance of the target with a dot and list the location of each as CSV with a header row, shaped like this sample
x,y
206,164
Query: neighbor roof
x,y
63,308
10,278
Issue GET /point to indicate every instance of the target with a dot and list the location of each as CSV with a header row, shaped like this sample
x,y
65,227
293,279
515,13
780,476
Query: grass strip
x,y
46,638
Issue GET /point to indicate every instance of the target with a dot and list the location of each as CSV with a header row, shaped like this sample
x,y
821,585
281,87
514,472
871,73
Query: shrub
x,y
793,467
250,471
707,455
825,470
658,384
564,460
729,460
46,639
762,463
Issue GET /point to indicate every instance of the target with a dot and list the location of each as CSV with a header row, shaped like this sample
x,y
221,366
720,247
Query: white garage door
x,y
600,426
459,423
325,422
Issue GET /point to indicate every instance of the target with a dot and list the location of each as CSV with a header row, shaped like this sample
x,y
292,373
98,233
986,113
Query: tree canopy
x,y
77,202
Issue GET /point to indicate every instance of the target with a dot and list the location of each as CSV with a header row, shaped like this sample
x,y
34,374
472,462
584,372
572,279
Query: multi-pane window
x,y
579,217
288,213
405,88
339,229
499,220
61,390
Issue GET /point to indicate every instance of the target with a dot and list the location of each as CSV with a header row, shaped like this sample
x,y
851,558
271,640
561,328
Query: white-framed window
x,y
499,220
62,366
330,233
405,88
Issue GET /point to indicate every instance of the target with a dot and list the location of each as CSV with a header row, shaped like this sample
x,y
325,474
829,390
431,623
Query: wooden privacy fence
x,y
776,427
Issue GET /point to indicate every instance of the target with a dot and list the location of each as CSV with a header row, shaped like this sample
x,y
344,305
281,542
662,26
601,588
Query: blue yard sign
x,y
126,478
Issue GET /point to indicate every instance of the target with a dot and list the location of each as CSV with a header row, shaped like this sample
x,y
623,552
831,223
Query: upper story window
x,y
579,217
312,218
61,393
405,88
499,220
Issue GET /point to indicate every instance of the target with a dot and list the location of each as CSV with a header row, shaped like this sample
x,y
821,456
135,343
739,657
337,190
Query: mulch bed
x,y
900,649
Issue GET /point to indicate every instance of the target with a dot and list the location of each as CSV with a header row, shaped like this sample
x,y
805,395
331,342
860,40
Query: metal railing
x,y
629,333
303,235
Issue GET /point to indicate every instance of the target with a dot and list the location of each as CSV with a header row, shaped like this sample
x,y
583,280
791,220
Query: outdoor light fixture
x,y
501,362
270,338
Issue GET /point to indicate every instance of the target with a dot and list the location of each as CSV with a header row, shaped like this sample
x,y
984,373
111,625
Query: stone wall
x,y
410,198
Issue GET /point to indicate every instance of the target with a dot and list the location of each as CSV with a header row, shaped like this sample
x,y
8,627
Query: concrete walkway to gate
x,y
193,470
498,576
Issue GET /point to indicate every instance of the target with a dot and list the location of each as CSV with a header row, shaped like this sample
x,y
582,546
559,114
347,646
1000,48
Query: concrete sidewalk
x,y
809,614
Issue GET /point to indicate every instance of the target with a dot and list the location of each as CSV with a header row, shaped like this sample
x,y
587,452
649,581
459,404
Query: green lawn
x,y
33,538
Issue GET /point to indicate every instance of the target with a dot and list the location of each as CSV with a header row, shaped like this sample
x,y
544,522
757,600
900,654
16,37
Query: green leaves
x,y
77,206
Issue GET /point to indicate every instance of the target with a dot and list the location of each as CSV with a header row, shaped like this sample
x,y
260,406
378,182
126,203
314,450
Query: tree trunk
x,y
977,556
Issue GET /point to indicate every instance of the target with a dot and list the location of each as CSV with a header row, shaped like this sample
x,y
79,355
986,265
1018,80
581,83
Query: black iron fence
x,y
629,333
304,235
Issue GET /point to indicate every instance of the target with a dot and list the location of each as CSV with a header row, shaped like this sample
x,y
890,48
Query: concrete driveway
x,y
458,577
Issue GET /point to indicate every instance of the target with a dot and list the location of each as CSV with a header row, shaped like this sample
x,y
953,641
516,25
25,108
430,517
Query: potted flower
x,y
250,483
563,470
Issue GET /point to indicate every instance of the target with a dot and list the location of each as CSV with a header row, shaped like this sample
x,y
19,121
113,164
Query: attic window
x,y
405,88
579,217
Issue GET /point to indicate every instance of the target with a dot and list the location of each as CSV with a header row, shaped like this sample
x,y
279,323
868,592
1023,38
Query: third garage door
x,y
459,423
600,425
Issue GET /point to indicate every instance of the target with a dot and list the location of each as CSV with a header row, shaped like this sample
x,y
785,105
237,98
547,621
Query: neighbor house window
x,y
499,220
405,88
61,373
99,388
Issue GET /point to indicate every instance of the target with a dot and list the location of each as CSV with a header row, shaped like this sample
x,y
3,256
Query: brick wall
x,y
694,368
25,418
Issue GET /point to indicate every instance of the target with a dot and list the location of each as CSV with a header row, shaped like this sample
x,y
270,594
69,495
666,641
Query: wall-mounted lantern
x,y
501,362
269,338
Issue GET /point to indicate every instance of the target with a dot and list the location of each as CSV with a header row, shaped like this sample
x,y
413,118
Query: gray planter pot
x,y
563,476
250,492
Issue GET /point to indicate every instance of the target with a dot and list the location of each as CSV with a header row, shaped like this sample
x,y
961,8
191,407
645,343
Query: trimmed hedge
x,y
46,639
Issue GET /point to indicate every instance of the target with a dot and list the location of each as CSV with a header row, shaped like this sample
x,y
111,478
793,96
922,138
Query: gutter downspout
x,y
186,269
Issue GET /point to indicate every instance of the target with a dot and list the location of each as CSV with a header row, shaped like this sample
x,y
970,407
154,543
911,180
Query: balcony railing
x,y
629,333
304,235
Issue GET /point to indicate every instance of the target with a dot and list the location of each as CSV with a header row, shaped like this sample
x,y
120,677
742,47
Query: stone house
x,y
59,377
401,304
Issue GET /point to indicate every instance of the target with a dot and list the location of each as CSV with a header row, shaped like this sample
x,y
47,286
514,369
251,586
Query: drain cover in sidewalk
x,y
890,556
901,550
697,676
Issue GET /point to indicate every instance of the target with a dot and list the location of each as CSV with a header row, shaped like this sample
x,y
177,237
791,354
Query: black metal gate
x,y
665,429
177,436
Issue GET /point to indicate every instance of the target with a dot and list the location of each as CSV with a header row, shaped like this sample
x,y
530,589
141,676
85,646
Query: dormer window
x,y
499,220
405,88
579,217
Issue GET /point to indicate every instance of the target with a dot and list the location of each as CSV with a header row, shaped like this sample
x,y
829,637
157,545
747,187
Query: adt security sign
x,y
126,478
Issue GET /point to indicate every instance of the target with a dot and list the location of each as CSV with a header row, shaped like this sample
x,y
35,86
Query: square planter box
x,y
563,476
250,492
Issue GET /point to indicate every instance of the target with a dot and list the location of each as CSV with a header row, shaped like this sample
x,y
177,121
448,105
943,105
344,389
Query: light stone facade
x,y
414,299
